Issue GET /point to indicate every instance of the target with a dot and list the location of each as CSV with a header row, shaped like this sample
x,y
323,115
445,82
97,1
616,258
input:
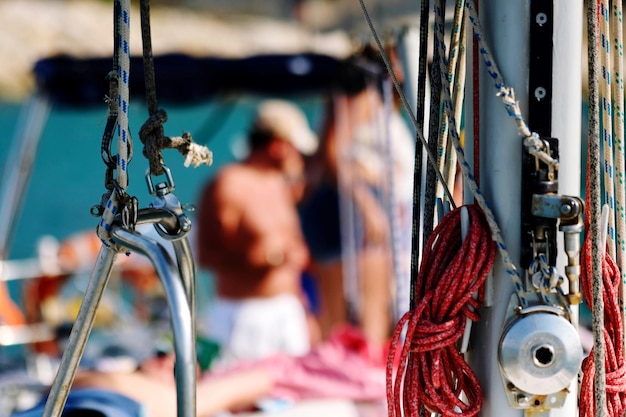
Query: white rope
x,y
607,122
458,100
198,155
617,92
123,74
114,204
456,60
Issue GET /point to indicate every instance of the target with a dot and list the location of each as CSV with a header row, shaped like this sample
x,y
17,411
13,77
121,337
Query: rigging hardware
x,y
539,357
540,353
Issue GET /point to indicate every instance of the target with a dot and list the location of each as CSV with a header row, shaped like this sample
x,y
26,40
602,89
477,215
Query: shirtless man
x,y
249,236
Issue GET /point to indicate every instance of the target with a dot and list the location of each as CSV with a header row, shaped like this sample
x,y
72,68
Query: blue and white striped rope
x,y
123,73
496,233
114,204
506,93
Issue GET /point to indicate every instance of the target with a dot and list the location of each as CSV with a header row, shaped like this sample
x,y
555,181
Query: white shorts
x,y
258,327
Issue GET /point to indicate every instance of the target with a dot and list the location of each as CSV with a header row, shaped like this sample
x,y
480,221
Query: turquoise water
x,y
68,175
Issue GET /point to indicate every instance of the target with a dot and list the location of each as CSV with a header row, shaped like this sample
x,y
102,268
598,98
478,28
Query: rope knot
x,y
151,135
151,126
194,153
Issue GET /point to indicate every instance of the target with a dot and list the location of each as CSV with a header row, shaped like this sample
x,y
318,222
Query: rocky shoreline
x,y
35,29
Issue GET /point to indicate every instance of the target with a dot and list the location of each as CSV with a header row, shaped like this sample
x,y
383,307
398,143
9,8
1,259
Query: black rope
x,y
419,152
113,109
148,59
430,191
430,157
151,133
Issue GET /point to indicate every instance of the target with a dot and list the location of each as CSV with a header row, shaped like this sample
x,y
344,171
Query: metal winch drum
x,y
540,353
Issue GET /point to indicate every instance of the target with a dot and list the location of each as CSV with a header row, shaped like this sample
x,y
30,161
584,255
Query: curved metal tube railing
x,y
80,333
180,315
178,280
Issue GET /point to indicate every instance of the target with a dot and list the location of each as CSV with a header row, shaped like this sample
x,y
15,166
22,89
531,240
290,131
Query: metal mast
x,y
507,26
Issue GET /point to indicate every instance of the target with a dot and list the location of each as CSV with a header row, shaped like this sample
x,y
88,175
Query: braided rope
x,y
606,110
546,278
506,93
456,76
118,197
151,133
458,98
123,74
419,154
593,218
619,141
430,184
431,372
612,333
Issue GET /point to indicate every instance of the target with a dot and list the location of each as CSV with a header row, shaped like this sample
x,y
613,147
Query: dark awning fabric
x,y
183,79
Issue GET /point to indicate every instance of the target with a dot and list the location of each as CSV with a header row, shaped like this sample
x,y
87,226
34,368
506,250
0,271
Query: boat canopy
x,y
181,78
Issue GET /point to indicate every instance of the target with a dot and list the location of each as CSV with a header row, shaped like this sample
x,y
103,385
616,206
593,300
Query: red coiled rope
x,y
613,336
431,372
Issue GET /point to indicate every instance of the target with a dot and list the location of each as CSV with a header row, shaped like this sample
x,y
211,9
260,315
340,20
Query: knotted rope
x,y
151,133
433,371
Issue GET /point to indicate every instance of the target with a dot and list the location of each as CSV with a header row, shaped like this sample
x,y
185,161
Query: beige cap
x,y
287,121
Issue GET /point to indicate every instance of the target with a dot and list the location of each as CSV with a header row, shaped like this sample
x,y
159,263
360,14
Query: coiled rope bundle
x,y
614,351
431,372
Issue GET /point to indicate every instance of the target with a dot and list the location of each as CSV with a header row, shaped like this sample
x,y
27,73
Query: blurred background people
x,y
360,188
249,236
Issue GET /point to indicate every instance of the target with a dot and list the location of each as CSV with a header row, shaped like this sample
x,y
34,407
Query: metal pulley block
x,y
539,355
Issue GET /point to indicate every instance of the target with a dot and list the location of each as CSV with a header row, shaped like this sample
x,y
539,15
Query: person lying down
x,y
346,367
150,391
